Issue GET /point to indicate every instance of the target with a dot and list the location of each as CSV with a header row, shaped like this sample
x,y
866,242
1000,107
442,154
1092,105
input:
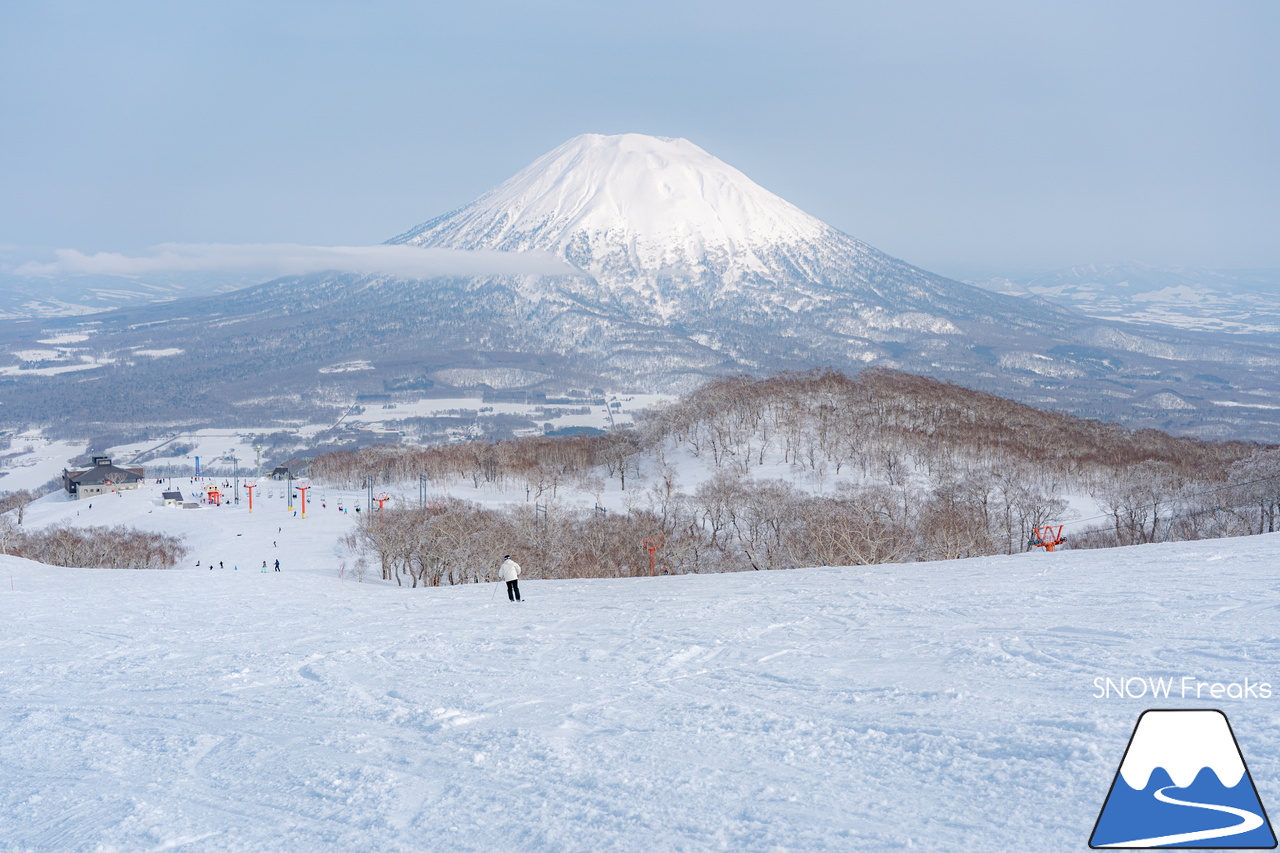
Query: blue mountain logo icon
x,y
1183,783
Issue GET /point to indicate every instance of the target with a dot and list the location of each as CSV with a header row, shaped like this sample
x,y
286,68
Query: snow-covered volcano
x,y
664,219
690,268
631,203
686,269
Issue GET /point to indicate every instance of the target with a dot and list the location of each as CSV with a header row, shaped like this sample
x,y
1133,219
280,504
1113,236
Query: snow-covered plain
x,y
32,460
35,459
934,706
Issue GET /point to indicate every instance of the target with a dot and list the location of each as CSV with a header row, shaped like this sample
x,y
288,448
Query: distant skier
x,y
510,572
264,565
277,565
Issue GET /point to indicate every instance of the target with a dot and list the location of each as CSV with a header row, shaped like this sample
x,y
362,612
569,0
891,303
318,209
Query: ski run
x,y
949,706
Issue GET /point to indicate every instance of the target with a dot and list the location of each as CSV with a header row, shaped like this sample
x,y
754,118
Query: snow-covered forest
x,y
802,469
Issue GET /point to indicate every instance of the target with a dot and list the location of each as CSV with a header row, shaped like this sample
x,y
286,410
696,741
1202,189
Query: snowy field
x,y
34,459
935,706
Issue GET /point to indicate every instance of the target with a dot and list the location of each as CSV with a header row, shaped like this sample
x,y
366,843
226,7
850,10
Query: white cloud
x,y
278,259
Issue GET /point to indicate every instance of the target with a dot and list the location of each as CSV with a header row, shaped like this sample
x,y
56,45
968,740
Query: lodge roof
x,y
101,474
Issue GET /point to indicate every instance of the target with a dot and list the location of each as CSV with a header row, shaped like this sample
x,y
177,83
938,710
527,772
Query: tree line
x,y
884,467
117,547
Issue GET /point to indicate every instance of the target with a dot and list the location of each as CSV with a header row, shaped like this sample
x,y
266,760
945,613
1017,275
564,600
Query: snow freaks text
x,y
1186,687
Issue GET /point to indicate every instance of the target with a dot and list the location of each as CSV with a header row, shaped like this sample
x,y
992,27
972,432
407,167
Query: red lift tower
x,y
652,544
1047,537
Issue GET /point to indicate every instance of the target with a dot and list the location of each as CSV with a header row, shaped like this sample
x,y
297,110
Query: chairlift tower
x,y
652,544
1047,537
302,490
235,475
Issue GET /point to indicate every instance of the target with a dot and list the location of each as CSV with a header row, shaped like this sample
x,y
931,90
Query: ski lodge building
x,y
102,478
295,468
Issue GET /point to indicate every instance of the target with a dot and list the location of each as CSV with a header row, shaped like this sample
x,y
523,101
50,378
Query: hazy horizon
x,y
979,141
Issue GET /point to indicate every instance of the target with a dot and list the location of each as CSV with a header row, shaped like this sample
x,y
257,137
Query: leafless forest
x,y
884,467
116,547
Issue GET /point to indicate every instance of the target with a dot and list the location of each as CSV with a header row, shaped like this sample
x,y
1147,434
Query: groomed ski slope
x,y
938,706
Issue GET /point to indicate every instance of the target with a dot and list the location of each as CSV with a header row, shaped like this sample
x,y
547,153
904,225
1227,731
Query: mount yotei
x,y
678,267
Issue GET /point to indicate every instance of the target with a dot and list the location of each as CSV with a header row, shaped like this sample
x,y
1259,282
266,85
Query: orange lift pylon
x,y
653,543
381,498
1047,537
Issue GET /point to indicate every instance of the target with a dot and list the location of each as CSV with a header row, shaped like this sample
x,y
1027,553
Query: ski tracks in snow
x,y
938,706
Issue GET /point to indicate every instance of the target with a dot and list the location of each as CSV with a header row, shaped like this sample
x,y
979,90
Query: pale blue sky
x,y
959,136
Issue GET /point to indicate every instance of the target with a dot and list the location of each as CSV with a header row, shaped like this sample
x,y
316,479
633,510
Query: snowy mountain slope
x,y
647,203
683,229
688,270
948,706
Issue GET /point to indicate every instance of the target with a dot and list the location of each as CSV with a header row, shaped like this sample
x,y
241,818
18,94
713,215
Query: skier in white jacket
x,y
510,572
